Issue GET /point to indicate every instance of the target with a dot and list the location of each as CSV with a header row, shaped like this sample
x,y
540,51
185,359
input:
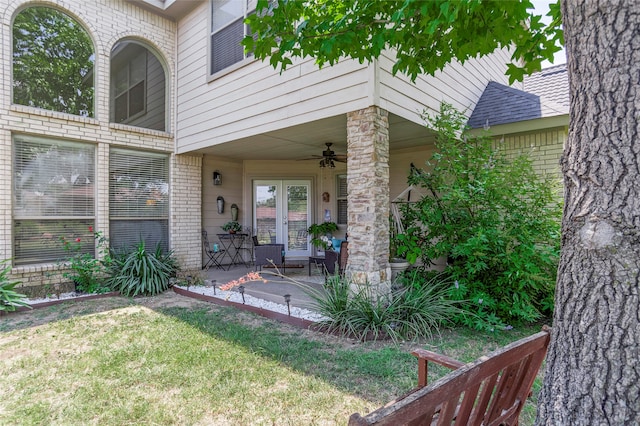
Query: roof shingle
x,y
546,95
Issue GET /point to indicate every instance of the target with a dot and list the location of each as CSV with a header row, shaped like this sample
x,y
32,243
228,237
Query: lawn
x,y
173,360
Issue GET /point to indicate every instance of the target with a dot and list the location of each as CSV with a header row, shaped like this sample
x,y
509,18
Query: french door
x,y
282,214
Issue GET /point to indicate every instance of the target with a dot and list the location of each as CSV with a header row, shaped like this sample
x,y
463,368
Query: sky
x,y
542,7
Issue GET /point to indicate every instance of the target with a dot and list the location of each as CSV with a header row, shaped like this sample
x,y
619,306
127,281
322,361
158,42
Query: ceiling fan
x,y
328,157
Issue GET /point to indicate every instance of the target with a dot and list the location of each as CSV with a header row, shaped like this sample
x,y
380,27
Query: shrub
x,y
496,221
88,273
415,310
141,272
9,298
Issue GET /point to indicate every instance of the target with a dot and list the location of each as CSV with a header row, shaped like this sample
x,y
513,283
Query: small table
x,y
328,264
318,261
232,244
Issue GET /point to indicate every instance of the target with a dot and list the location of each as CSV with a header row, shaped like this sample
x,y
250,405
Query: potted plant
x,y
232,227
397,261
403,246
321,234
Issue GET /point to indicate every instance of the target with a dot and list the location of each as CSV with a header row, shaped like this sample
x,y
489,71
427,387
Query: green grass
x,y
121,361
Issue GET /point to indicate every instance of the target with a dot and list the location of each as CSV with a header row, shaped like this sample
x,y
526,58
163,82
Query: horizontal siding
x,y
459,85
264,91
400,165
255,98
230,190
269,115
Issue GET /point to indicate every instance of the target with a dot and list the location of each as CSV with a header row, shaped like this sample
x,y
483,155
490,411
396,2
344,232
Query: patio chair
x,y
343,258
214,256
268,254
330,259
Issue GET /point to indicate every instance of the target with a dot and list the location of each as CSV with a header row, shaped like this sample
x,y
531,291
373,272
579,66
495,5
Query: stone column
x,y
368,196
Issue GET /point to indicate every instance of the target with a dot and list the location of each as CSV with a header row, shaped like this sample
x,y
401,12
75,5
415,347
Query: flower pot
x,y
398,266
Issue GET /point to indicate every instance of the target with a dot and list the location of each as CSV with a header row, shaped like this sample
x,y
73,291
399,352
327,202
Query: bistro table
x,y
232,244
326,262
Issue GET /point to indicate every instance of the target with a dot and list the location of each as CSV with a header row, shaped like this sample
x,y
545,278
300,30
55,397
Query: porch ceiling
x,y
308,139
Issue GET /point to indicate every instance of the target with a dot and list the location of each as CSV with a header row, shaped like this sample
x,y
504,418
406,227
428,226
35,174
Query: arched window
x,y
138,95
53,62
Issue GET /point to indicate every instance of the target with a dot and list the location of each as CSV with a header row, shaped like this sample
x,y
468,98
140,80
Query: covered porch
x,y
277,181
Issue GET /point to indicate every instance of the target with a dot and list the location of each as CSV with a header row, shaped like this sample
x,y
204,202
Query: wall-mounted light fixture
x,y
217,178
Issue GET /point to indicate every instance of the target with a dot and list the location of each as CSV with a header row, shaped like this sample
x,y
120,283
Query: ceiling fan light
x,y
322,165
331,164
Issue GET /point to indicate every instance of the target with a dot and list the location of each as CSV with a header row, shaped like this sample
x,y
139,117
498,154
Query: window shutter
x,y
341,199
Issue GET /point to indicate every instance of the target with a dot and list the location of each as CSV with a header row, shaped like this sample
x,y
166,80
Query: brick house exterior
x,y
249,123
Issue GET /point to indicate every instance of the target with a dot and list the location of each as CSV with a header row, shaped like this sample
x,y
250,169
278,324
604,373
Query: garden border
x,y
287,319
295,321
59,301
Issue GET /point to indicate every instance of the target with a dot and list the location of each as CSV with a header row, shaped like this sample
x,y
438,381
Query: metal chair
x,y
212,254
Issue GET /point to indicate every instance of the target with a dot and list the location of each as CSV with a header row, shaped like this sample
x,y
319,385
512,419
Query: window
x,y
53,198
341,198
138,95
129,95
227,31
138,199
53,61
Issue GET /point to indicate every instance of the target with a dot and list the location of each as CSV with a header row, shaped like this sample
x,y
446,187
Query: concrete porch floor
x,y
276,287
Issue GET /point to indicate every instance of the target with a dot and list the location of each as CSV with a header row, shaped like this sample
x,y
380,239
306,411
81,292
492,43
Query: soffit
x,y
171,9
309,139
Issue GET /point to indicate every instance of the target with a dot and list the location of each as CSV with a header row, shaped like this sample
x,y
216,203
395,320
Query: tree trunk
x,y
593,365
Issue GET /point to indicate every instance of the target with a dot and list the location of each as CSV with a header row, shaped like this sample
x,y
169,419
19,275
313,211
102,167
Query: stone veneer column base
x,y
368,197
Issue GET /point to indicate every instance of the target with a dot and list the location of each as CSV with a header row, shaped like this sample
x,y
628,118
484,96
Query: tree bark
x,y
593,366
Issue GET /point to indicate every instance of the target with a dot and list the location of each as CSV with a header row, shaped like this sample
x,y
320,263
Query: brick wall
x,y
544,148
186,222
107,22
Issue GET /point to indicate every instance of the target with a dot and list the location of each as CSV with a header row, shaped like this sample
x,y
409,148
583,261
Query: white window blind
x,y
138,199
227,31
53,198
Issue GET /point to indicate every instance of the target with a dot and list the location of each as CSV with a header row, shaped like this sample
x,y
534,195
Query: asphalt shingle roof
x,y
551,84
546,95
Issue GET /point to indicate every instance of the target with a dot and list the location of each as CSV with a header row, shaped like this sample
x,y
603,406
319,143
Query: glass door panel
x,y
266,212
282,214
297,219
